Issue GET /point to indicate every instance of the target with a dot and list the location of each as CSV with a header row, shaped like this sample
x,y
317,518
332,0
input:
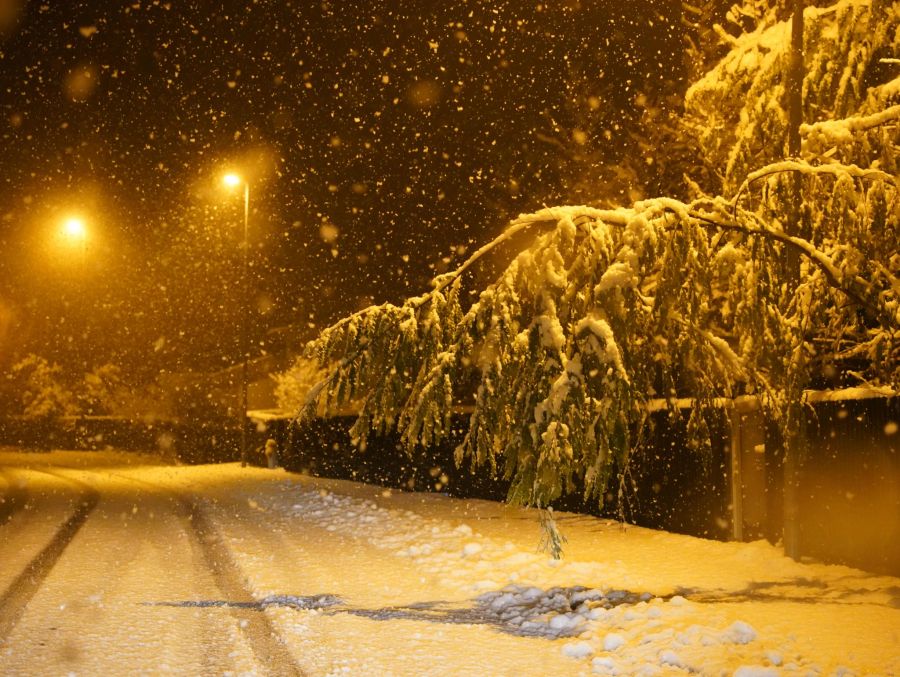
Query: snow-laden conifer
x,y
607,313
737,110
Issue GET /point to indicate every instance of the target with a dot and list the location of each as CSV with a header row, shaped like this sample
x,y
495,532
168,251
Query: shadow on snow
x,y
523,611
799,590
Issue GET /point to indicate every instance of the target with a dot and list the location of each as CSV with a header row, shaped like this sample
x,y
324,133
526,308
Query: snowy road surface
x,y
115,564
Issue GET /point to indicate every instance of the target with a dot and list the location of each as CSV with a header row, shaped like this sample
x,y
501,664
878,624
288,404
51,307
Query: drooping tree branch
x,y
547,216
804,167
544,217
855,288
842,131
710,214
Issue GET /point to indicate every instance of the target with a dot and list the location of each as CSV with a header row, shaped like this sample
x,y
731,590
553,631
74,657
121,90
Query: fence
x,y
848,498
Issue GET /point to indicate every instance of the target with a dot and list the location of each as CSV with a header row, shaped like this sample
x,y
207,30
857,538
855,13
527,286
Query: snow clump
x,y
756,671
740,633
613,641
578,649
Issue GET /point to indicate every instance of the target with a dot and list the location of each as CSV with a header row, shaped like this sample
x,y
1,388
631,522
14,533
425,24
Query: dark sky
x,y
382,139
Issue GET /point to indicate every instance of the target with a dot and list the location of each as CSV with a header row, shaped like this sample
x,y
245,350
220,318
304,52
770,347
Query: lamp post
x,y
233,181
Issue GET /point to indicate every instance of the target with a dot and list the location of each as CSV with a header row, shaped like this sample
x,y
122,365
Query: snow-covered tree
x,y
291,386
102,390
738,112
607,312
43,390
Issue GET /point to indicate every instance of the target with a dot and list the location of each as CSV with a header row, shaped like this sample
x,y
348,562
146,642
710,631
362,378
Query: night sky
x,y
381,140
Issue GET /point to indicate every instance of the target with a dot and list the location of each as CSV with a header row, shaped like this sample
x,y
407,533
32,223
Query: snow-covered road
x,y
116,564
86,559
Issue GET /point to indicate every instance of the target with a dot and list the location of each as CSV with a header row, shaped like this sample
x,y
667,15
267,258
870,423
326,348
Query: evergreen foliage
x,y
737,110
608,312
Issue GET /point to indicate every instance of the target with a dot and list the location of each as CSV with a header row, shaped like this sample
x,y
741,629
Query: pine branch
x,y
803,167
838,131
547,216
855,289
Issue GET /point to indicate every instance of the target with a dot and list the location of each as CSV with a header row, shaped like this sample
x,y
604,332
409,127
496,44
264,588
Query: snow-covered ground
x,y
360,580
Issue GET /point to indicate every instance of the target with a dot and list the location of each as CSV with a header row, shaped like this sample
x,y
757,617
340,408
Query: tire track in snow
x,y
16,598
261,635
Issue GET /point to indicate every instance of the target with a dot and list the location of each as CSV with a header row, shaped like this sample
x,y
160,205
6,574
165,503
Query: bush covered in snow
x,y
38,388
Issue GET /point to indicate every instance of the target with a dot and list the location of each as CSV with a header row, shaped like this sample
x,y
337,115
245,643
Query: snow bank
x,y
603,614
361,580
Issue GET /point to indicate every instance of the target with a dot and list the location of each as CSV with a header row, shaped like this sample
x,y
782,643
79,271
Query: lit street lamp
x,y
75,230
233,181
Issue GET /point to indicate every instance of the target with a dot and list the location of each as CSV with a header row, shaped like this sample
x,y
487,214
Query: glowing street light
x,y
233,181
74,230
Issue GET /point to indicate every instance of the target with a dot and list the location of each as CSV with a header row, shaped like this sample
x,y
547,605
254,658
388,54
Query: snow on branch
x,y
856,288
549,215
736,109
834,132
799,166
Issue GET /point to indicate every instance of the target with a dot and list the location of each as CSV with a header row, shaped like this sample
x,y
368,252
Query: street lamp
x,y
75,230
233,181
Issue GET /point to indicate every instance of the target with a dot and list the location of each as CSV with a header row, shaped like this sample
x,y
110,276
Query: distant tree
x,y
292,386
43,389
102,390
606,311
